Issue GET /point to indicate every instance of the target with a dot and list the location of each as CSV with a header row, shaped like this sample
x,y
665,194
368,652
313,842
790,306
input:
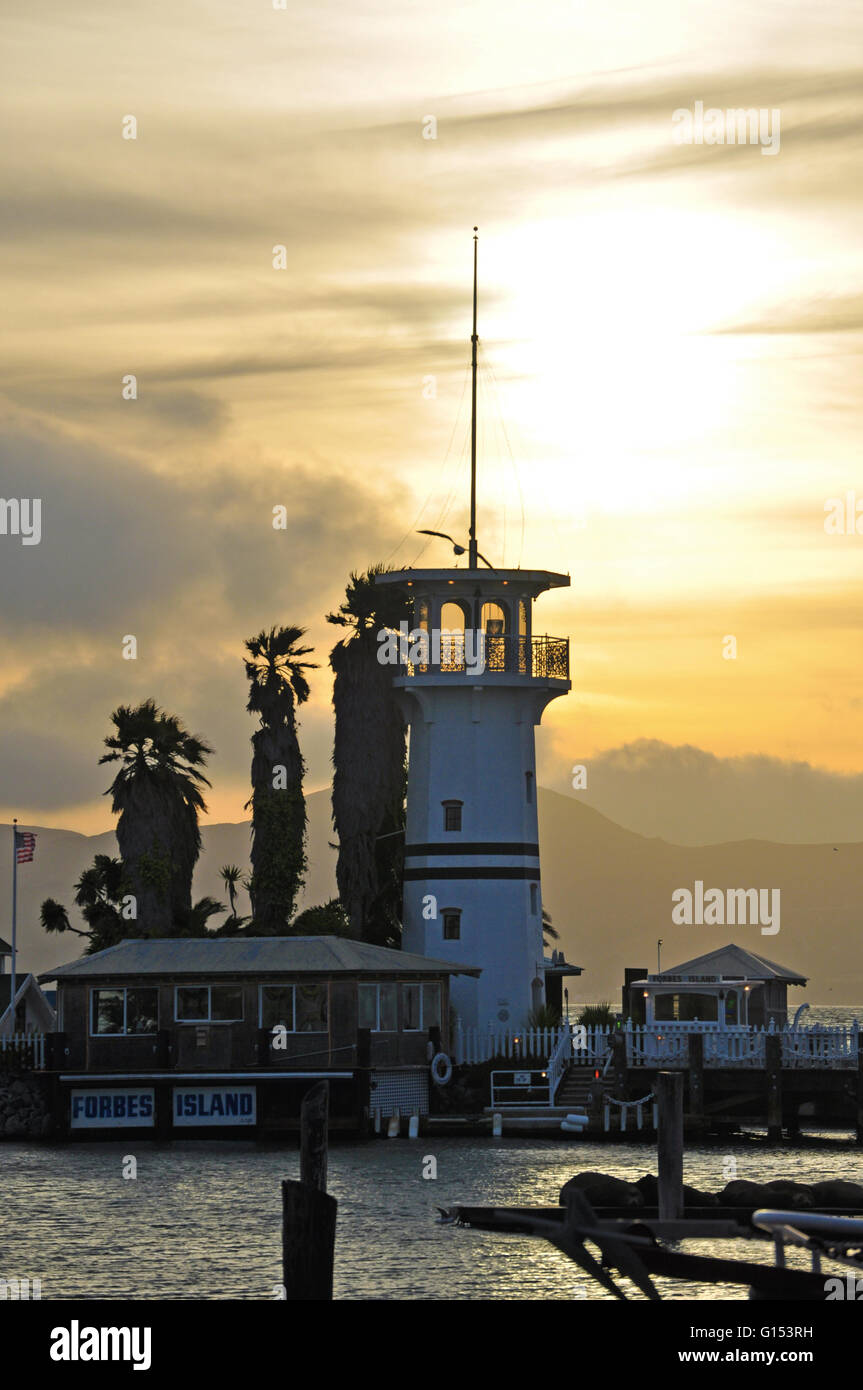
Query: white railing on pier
x,y
474,1045
661,1044
471,1046
25,1051
559,1061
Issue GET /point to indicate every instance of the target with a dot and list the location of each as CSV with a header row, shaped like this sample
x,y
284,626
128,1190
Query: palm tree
x,y
275,670
325,919
549,932
231,875
193,921
103,897
157,793
234,924
369,778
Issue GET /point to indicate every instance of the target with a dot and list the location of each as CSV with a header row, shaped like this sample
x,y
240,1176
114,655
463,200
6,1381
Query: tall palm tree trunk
x,y
368,789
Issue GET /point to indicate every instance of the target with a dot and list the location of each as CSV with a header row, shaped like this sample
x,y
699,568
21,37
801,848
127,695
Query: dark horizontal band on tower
x,y
493,847
433,872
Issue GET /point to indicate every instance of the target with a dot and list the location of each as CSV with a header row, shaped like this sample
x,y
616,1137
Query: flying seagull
x,y
459,549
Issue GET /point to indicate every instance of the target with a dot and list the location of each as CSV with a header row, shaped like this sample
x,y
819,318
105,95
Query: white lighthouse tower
x,y
473,689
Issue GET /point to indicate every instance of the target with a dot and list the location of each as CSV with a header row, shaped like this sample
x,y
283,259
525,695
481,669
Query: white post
x,y
414,1125
497,1125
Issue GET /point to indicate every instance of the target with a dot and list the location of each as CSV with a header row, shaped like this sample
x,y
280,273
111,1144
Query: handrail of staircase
x,y
557,1062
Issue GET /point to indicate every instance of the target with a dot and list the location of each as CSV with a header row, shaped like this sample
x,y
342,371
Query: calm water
x,y
202,1219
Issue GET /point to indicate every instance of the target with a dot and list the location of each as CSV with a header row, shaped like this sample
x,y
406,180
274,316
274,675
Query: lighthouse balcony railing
x,y
542,658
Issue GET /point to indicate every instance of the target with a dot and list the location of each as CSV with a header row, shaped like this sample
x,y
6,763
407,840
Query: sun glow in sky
x,y
671,351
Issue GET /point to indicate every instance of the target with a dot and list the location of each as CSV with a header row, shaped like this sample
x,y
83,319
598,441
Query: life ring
x,y
441,1069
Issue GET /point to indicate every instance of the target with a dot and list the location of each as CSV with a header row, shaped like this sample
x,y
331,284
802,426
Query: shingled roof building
x,y
230,1031
730,986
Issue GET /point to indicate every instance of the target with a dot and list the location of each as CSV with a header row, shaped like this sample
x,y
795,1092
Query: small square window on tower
x,y
452,815
451,924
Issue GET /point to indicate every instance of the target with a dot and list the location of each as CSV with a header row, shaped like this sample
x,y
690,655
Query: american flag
x,y
25,846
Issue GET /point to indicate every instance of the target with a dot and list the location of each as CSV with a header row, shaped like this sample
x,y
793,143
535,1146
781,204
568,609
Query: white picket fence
x,y
474,1045
26,1051
661,1043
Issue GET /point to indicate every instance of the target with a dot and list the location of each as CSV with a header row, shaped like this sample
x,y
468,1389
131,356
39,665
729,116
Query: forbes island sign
x,y
214,1105
130,1108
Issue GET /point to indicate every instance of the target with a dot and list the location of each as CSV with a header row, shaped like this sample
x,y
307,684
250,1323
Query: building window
x,y
294,1008
528,788
208,1004
420,1008
534,899
124,1012
451,924
452,815
378,1007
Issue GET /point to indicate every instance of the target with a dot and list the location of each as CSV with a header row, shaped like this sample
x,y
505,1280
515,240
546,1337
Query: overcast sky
x,y
670,393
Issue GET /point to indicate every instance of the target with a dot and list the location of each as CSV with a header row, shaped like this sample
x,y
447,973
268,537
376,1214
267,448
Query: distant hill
x,y
608,890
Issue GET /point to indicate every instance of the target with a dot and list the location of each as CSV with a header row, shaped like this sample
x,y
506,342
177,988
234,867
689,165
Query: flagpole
x,y
14,912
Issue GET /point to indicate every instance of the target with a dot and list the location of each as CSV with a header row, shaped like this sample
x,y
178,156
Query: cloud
x,y
190,565
838,313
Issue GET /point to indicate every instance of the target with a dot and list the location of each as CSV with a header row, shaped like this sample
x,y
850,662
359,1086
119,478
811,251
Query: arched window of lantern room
x,y
494,625
453,621
493,620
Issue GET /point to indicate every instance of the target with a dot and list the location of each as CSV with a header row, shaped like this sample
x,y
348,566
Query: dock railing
x,y
661,1044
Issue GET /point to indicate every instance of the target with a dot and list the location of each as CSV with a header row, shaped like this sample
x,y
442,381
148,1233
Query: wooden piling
x,y
696,1074
314,1136
619,1065
773,1068
363,1080
669,1143
308,1212
860,1088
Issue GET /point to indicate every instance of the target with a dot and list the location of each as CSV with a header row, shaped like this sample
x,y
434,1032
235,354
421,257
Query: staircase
x,y
576,1084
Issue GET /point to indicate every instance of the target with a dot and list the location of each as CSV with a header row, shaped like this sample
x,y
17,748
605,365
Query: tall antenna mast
x,y
472,545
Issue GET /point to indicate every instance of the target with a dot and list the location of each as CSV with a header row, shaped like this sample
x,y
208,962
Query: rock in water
x,y
648,1186
604,1191
781,1194
837,1192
